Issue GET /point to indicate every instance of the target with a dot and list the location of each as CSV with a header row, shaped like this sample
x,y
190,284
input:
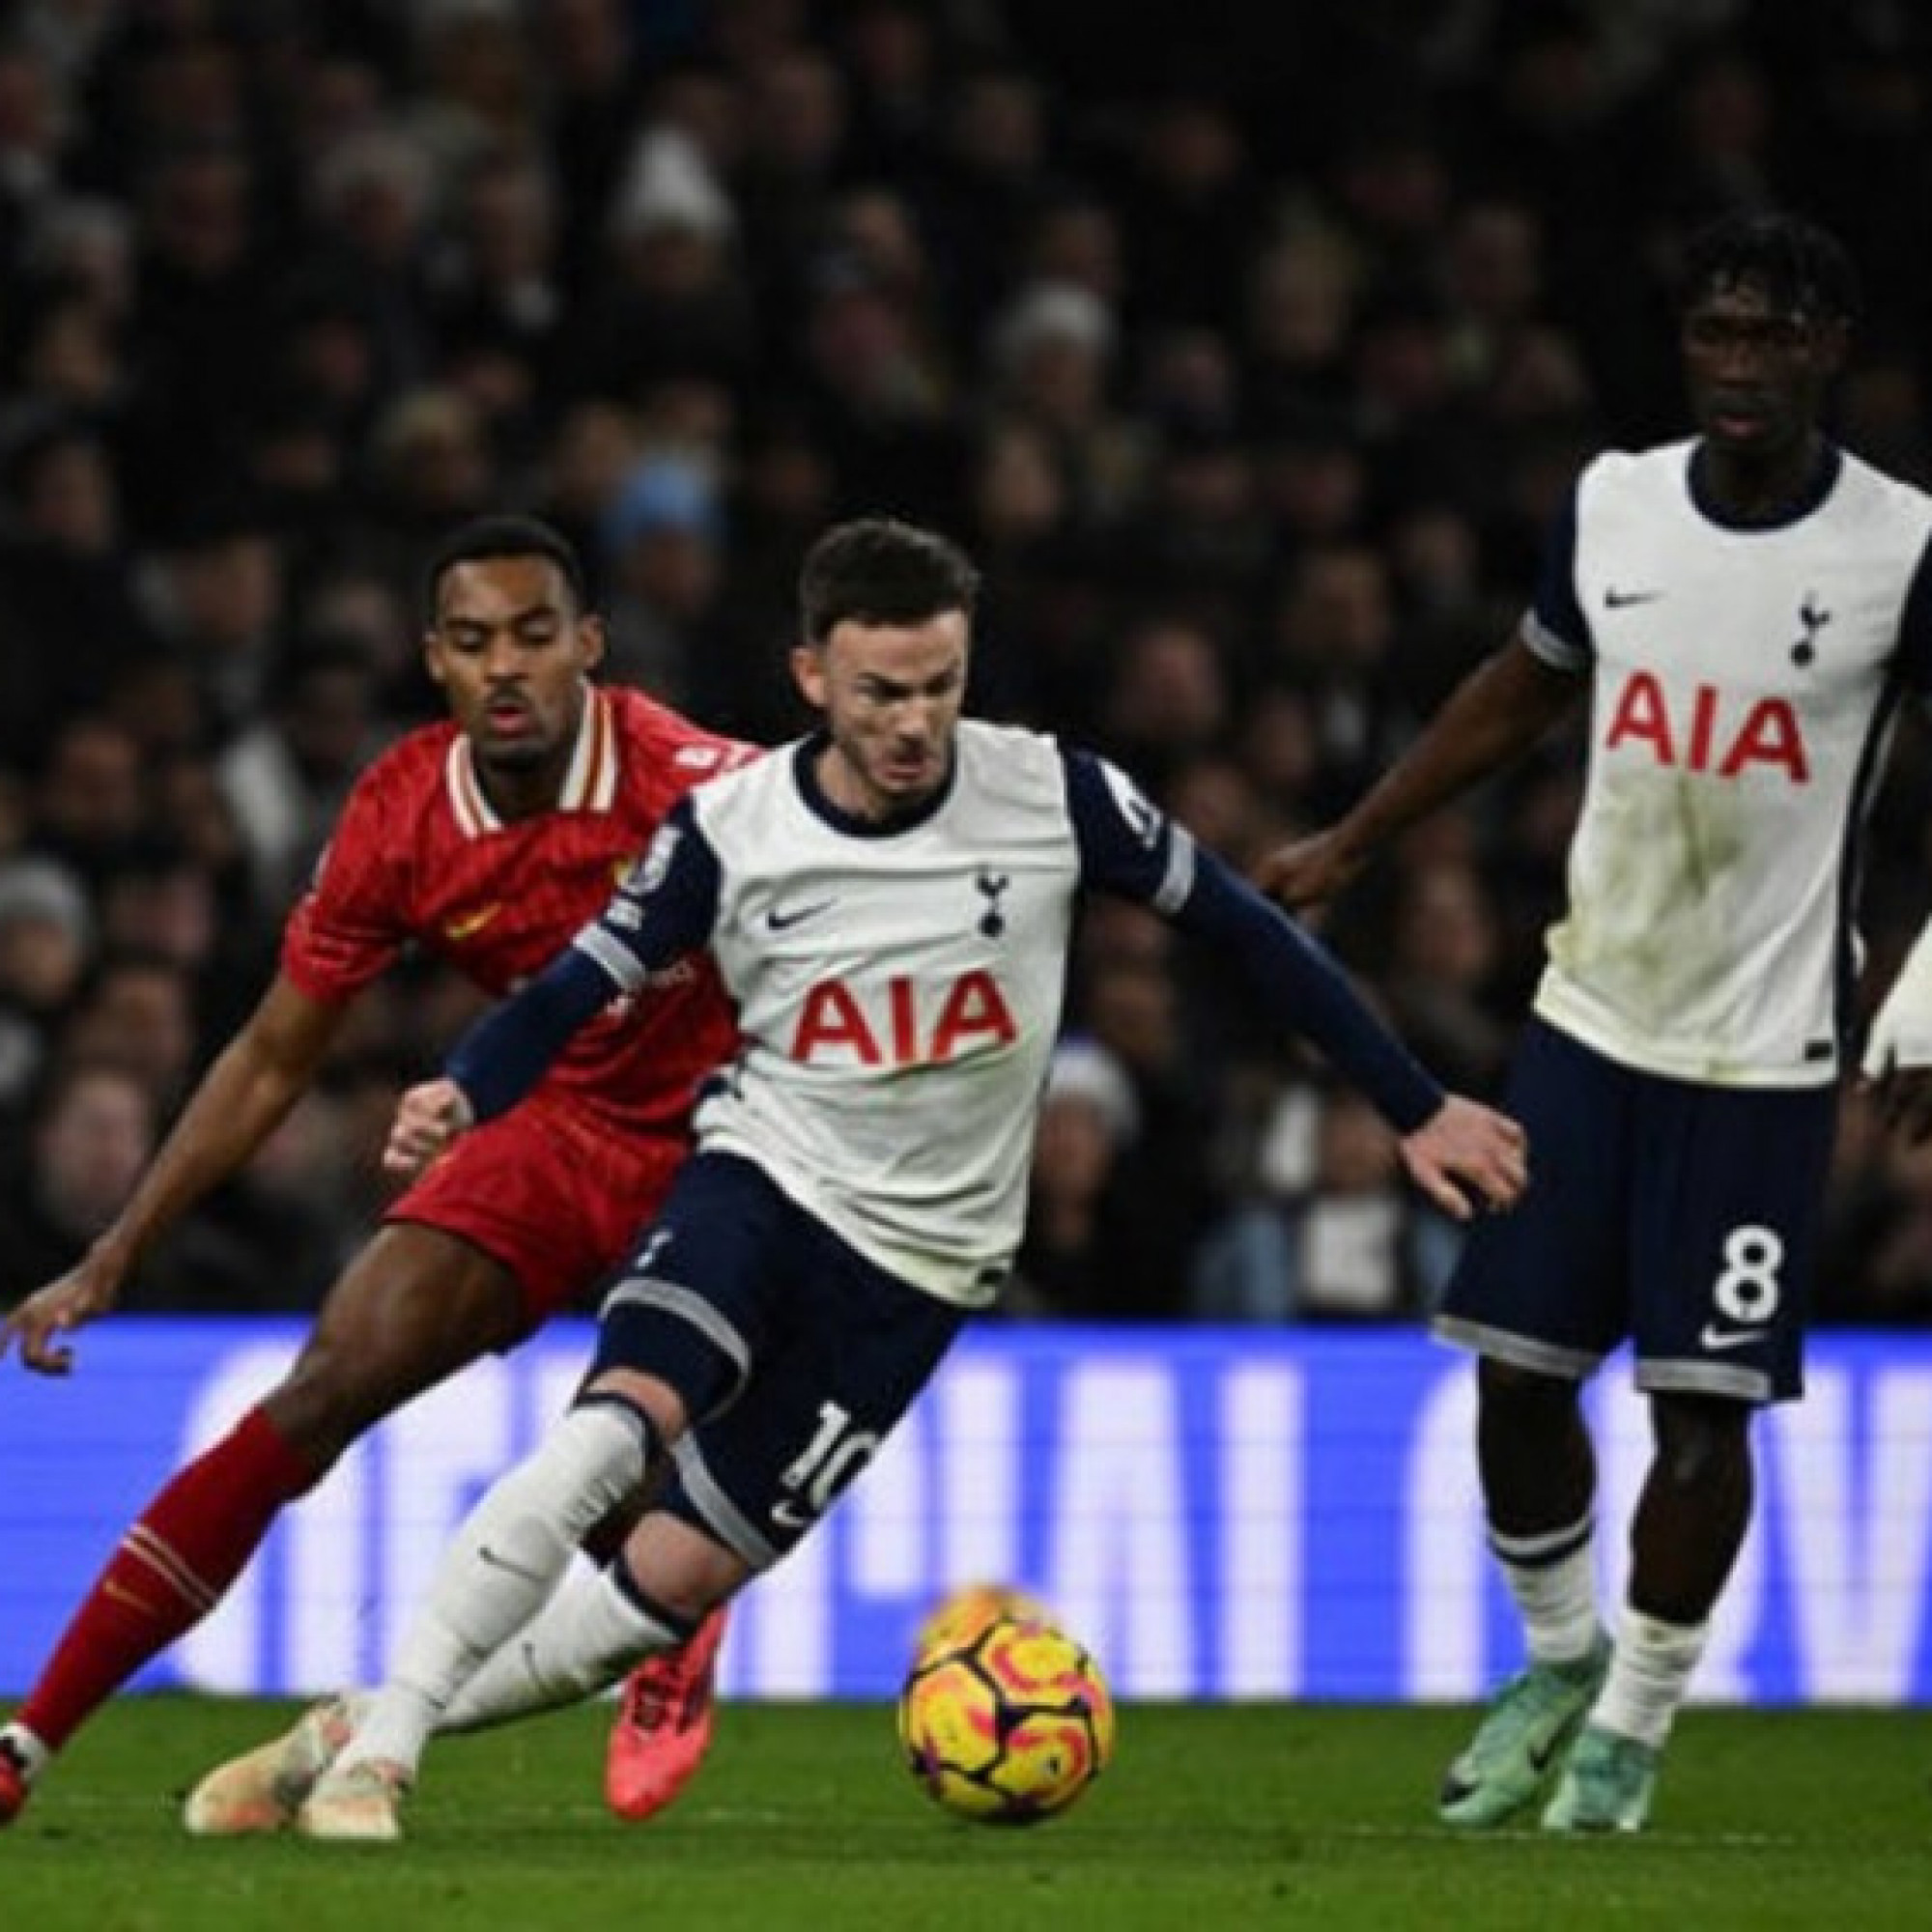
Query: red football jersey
x,y
420,858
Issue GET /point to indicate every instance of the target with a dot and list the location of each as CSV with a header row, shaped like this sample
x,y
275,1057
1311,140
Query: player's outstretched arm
x,y
662,912
1491,719
1461,1154
242,1098
1465,1156
498,1060
1897,1065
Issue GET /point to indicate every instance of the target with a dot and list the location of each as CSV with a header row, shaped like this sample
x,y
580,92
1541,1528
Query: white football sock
x,y
26,1750
504,1562
1650,1672
1553,1582
582,1641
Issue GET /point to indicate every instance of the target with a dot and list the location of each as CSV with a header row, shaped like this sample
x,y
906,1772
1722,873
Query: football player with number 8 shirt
x,y
486,841
1746,609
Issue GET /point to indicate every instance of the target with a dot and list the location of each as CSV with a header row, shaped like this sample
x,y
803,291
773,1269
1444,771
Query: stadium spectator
x,y
1081,1230
1349,1244
87,806
213,599
46,939
137,1009
287,777
91,1136
671,294
1441,972
663,540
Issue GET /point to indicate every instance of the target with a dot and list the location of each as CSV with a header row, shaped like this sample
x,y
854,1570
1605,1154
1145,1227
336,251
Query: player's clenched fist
x,y
1465,1156
428,1117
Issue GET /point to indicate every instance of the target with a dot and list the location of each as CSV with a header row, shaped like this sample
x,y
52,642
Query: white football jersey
x,y
1743,685
899,988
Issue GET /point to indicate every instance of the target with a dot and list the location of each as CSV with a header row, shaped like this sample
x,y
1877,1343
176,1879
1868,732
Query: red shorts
x,y
557,1197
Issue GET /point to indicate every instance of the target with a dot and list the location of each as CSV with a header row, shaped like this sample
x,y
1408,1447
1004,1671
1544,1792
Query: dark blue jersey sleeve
x,y
1131,847
663,910
510,1048
1128,845
1556,628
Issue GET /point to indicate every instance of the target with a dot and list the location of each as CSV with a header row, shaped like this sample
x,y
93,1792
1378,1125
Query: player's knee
x,y
332,1395
1525,1399
642,1346
1701,1441
660,1405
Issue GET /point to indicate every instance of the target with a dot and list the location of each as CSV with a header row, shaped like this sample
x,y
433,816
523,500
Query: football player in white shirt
x,y
1743,612
889,903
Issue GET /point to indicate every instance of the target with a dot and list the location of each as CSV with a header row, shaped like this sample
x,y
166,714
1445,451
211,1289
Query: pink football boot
x,y
663,1724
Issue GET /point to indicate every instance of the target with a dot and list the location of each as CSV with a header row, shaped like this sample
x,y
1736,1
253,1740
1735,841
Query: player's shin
x,y
507,1560
582,1641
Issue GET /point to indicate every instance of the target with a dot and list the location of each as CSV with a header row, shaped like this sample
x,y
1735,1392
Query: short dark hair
x,y
1799,265
877,570
501,536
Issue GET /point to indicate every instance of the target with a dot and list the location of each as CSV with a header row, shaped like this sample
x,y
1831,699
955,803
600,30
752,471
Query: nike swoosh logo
x,y
1714,1337
788,1516
485,1555
1622,600
467,924
779,918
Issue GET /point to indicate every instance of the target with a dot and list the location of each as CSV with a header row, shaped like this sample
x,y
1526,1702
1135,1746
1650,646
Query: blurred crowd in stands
x,y
1248,346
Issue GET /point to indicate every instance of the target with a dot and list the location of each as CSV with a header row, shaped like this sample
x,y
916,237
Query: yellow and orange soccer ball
x,y
1005,1717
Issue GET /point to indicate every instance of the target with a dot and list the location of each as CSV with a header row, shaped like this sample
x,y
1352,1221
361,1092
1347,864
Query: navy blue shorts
x,y
794,1354
1684,1217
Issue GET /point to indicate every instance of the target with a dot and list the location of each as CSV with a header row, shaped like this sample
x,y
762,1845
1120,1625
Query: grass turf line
x,y
1210,1817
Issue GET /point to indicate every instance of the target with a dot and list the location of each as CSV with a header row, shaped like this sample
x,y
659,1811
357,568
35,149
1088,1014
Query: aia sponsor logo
x,y
905,1023
1706,731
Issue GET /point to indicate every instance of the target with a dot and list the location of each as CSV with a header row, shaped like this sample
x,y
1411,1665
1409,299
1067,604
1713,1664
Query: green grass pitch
x,y
1211,1818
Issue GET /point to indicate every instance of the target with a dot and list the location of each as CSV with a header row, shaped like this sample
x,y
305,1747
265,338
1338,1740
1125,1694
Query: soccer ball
x,y
1009,1724
961,1616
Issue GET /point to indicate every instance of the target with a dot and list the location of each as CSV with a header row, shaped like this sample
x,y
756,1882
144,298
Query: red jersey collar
x,y
590,785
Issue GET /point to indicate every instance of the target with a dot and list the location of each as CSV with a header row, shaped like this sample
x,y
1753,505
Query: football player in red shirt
x,y
487,840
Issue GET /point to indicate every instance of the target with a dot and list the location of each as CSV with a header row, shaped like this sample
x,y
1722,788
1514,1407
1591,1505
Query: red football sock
x,y
170,1570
